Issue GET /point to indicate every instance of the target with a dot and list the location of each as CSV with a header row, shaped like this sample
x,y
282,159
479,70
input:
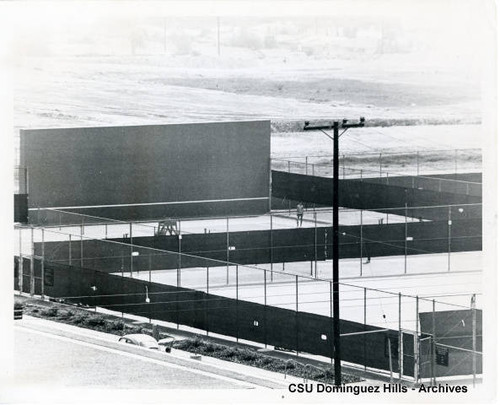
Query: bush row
x,y
260,360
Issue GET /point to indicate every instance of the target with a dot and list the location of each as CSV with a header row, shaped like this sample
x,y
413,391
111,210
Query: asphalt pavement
x,y
53,355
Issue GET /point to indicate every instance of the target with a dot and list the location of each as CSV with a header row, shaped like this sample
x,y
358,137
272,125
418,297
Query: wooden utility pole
x,y
335,237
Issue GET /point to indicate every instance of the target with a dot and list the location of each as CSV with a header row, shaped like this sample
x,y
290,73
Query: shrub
x,y
210,349
228,353
95,321
116,325
247,355
50,312
265,361
80,318
66,314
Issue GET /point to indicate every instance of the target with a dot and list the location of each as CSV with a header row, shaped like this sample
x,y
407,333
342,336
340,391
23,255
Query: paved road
x,y
44,359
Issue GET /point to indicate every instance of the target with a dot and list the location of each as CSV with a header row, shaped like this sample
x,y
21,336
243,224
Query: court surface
x,y
279,220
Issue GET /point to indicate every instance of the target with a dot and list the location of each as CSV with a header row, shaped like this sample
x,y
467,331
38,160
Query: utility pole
x,y
335,237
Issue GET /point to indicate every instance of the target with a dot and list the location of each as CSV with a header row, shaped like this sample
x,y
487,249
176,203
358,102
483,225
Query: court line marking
x,y
143,358
153,203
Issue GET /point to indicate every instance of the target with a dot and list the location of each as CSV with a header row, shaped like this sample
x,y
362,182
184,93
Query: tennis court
x,y
373,295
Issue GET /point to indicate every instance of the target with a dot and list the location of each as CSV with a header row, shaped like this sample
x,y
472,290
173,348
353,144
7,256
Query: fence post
x,y
265,308
32,265
227,250
449,237
105,231
433,345
69,250
406,234
149,265
416,348
364,326
288,166
343,166
179,262
271,252
42,272
306,165
400,340
206,302
237,302
297,313
315,245
331,323
389,349
313,169
131,249
81,246
380,163
361,244
473,305
418,163
21,261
